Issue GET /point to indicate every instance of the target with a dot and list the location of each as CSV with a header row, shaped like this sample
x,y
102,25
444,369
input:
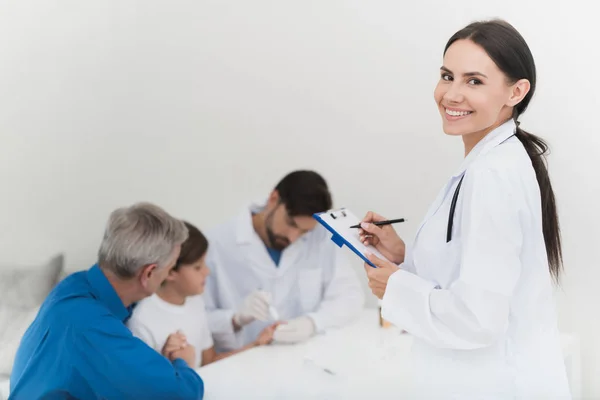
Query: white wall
x,y
201,105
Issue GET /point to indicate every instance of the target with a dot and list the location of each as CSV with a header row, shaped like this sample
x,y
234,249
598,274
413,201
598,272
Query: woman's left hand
x,y
378,277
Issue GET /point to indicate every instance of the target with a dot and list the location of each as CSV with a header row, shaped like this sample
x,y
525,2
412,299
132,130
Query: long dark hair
x,y
507,48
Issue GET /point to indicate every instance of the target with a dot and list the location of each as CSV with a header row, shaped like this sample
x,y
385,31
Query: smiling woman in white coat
x,y
475,289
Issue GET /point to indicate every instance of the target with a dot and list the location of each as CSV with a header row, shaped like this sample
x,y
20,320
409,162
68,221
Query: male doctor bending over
x,y
274,263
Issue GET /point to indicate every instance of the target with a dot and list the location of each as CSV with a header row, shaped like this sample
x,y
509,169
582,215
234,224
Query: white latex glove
x,y
294,331
254,307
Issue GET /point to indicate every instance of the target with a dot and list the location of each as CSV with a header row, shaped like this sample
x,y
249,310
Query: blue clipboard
x,y
338,222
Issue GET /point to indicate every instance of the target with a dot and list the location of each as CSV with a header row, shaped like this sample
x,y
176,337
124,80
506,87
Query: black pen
x,y
379,223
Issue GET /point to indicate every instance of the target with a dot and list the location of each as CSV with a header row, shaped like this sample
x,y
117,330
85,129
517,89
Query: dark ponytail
x,y
537,148
507,48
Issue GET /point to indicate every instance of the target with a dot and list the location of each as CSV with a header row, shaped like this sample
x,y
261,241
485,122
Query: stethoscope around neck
x,y
452,210
453,204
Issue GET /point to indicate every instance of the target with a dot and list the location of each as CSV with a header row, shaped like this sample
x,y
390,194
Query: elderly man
x,y
78,346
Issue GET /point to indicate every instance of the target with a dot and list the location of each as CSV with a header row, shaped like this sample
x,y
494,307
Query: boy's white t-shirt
x,y
154,319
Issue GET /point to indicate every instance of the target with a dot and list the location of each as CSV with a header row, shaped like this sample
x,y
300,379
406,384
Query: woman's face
x,y
473,95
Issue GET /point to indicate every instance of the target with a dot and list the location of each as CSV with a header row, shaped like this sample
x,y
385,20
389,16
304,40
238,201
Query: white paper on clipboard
x,y
338,222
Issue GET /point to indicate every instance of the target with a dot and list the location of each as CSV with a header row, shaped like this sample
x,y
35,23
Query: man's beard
x,y
276,242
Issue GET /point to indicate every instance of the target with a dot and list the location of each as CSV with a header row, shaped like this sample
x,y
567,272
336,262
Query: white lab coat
x,y
313,278
481,307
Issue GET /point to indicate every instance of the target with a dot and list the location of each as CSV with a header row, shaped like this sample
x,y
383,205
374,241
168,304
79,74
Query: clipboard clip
x,y
335,214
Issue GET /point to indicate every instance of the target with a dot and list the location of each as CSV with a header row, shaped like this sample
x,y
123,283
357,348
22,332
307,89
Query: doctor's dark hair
x,y
509,51
193,248
304,193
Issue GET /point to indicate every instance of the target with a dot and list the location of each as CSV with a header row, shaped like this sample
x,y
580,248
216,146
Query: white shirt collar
x,y
491,140
245,232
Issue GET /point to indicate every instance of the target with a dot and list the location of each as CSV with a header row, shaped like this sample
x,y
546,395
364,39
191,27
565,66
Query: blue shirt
x,y
78,347
275,255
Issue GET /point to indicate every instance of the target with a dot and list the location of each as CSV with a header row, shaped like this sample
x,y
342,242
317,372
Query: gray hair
x,y
139,235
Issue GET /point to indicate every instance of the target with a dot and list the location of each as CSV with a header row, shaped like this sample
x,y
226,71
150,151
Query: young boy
x,y
174,318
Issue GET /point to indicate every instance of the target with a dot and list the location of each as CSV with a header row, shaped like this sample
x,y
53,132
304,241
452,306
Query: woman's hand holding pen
x,y
383,238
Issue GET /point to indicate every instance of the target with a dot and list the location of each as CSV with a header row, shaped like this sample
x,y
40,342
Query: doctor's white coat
x,y
313,278
481,306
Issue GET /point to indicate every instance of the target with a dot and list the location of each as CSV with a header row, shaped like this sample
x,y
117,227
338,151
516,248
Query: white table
x,y
367,361
4,388
282,372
